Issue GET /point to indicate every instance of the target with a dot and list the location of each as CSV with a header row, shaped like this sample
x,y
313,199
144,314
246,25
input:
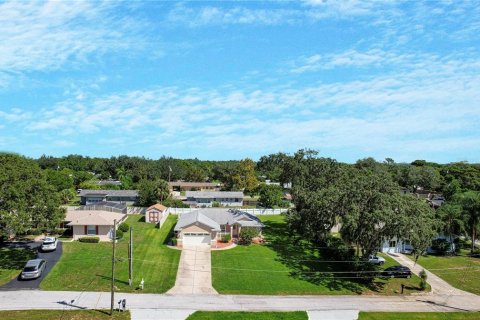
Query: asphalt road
x,y
51,258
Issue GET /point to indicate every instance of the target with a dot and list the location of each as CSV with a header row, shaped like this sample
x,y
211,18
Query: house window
x,y
393,244
154,216
407,242
91,230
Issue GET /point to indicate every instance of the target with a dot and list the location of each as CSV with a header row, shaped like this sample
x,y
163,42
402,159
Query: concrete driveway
x,y
51,258
194,275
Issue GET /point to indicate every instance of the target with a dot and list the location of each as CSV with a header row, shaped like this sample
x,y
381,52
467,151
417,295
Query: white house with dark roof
x,y
88,197
207,226
200,199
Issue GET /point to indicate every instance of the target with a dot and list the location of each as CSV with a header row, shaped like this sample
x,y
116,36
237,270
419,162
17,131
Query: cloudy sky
x,y
229,80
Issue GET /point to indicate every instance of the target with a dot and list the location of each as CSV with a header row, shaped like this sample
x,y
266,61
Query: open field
x,y
224,315
461,271
287,265
87,266
64,315
12,262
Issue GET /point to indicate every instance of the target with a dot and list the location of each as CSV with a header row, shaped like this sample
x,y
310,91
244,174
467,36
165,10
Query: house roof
x,y
190,218
214,217
110,193
157,206
193,184
93,217
214,194
112,182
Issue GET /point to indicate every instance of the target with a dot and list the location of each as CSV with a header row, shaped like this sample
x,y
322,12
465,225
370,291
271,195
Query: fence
x,y
254,211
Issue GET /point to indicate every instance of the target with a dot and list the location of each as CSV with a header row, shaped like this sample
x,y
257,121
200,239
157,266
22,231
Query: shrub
x,y
247,234
440,246
226,238
215,204
119,234
35,231
336,249
124,227
423,280
89,239
174,241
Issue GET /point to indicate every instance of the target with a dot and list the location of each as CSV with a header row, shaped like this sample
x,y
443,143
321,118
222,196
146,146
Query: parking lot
x,y
51,258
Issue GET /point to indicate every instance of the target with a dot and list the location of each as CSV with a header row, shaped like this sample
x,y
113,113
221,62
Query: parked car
x,y
33,269
49,244
376,260
397,272
407,251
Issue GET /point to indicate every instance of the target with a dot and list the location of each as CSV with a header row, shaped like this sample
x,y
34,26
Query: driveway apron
x,y
194,275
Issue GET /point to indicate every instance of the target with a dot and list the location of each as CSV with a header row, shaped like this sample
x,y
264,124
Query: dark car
x,y
397,272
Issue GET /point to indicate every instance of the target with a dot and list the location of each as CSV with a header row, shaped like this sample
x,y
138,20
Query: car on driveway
x,y
397,272
376,260
49,244
33,269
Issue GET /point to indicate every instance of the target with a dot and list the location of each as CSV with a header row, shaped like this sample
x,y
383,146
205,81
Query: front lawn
x,y
12,262
231,315
87,266
287,265
461,271
419,316
64,315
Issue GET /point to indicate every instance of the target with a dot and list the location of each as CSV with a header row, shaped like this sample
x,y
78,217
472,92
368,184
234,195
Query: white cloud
x,y
46,35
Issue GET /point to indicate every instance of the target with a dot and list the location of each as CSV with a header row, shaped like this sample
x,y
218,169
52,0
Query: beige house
x,y
97,223
207,226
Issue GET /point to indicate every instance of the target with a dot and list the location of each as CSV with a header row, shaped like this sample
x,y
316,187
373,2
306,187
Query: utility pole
x,y
130,258
112,290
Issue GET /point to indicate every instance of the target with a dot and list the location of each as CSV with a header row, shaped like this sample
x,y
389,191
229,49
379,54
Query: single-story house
x,y
206,198
93,223
208,225
396,245
109,182
120,196
156,214
194,186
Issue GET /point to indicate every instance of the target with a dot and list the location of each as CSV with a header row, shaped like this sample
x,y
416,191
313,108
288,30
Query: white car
x,y
376,260
49,244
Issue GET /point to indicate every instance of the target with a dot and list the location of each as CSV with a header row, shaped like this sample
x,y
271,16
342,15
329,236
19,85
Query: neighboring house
x,y
209,225
205,199
194,186
156,214
396,245
120,196
93,223
105,206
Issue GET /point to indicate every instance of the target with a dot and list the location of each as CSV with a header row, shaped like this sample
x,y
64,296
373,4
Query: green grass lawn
x,y
465,279
419,316
289,266
87,266
12,262
64,315
223,315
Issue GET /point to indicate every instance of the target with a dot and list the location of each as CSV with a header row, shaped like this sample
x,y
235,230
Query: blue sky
x,y
230,80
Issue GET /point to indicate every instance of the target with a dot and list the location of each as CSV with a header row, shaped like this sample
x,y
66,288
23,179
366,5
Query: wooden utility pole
x,y
112,288
130,258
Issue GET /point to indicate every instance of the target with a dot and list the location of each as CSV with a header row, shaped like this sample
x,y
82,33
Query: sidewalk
x,y
439,286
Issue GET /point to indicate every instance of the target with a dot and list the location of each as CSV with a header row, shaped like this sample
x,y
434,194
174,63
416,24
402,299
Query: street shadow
x,y
110,279
71,305
303,259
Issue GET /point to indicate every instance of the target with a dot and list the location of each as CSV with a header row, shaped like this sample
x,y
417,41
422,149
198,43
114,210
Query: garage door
x,y
196,238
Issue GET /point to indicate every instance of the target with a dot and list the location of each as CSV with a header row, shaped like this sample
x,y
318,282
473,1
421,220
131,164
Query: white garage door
x,y
196,238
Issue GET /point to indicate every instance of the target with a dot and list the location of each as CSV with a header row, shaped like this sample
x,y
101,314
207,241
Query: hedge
x,y
89,239
124,227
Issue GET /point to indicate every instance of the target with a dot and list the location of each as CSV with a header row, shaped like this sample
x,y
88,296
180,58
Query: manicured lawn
x,y
462,272
419,316
12,262
64,315
87,266
222,315
289,266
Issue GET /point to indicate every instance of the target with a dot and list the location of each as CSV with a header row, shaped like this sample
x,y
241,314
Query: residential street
x,y
51,258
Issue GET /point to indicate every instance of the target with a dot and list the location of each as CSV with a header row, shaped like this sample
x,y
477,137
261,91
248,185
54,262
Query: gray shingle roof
x,y
110,193
214,217
214,194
